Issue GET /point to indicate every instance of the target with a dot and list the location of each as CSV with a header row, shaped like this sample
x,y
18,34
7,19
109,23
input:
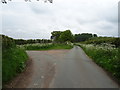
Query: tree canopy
x,y
66,36
62,36
83,37
55,35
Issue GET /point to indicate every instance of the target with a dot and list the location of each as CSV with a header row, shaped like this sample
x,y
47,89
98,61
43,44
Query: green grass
x,y
13,62
46,46
106,57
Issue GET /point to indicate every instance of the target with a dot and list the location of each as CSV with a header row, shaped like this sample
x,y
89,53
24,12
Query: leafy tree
x,y
20,41
83,37
66,36
94,35
55,36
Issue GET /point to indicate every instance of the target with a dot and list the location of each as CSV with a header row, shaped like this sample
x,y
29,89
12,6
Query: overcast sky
x,y
38,20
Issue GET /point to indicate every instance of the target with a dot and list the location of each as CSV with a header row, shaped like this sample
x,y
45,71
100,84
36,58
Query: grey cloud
x,y
39,20
39,10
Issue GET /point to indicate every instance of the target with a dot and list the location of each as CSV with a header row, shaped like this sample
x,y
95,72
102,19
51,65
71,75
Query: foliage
x,y
46,46
83,37
7,42
66,36
11,63
36,46
62,37
101,40
55,35
12,57
31,41
116,42
107,57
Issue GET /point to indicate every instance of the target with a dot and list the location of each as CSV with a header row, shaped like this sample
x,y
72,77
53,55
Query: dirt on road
x,y
62,69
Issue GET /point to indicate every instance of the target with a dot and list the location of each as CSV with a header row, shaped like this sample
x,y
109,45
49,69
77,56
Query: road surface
x,y
62,69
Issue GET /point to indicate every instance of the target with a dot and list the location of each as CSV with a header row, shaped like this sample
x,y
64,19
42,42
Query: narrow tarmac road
x,y
63,69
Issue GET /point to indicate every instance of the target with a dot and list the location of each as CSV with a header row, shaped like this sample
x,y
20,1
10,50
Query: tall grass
x,y
13,62
107,57
13,59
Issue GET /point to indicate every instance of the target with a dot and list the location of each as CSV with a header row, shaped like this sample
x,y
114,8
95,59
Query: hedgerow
x,y
13,59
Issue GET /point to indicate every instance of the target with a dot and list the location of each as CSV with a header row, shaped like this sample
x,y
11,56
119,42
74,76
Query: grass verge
x,y
106,57
13,62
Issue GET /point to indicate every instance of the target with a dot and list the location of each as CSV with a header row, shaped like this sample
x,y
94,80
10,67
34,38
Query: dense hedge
x,y
7,42
31,41
116,42
13,59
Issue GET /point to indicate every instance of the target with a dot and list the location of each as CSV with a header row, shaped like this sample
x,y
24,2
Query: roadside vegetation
x,y
48,46
105,52
103,40
13,59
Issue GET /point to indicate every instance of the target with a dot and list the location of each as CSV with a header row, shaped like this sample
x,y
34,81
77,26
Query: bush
x,y
13,59
116,42
7,42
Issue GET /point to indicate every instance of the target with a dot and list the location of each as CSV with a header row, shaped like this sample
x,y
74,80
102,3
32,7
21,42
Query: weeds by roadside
x,y
13,59
13,62
107,56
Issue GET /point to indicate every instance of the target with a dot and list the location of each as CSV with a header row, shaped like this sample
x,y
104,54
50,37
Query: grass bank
x,y
13,59
107,57
46,46
13,62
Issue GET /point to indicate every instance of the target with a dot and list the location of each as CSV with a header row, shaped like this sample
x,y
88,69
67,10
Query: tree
x,y
55,36
83,37
66,36
94,35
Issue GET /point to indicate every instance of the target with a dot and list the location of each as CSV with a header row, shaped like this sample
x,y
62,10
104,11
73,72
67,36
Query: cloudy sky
x,y
38,19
